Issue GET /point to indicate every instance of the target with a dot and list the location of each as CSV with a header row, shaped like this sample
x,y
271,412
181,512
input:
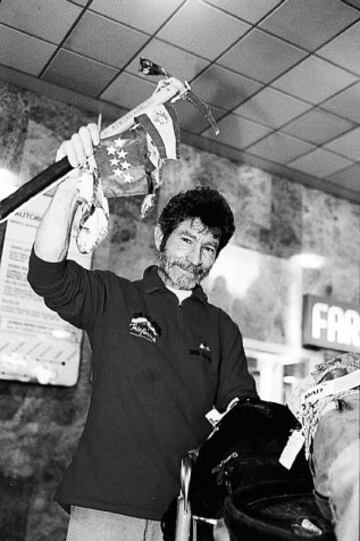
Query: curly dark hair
x,y
201,202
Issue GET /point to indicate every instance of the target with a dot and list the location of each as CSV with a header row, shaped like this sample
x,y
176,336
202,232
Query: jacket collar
x,y
152,282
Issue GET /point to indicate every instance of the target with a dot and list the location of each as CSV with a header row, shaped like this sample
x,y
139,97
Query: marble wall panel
x,y
283,237
13,126
61,119
262,293
331,228
39,150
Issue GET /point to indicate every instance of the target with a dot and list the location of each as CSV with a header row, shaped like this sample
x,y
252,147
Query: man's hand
x,y
81,145
79,150
53,235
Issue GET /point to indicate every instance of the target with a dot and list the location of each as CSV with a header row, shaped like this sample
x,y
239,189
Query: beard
x,y
180,274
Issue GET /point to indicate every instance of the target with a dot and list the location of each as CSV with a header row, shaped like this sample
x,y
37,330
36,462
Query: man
x,y
162,357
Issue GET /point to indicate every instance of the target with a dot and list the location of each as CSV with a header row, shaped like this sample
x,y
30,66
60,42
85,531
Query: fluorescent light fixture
x,y
308,260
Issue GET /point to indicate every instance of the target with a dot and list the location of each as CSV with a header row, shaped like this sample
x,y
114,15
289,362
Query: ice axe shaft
x,y
33,187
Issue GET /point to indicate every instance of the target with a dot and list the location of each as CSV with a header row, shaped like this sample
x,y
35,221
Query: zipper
x,y
221,464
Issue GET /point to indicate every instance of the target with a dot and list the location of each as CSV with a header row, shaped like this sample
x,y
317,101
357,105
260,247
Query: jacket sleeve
x,y
234,377
75,293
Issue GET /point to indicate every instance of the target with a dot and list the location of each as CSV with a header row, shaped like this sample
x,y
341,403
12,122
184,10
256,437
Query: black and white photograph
x,y
179,270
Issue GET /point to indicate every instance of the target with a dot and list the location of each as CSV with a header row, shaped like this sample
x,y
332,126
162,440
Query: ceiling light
x,y
308,260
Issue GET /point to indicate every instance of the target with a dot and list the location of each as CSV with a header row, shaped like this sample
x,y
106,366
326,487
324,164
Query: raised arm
x,y
53,235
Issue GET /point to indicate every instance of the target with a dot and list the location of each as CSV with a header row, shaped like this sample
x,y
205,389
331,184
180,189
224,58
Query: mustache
x,y
196,270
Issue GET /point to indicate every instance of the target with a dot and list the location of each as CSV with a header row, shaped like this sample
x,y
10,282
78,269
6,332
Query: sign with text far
x,y
331,324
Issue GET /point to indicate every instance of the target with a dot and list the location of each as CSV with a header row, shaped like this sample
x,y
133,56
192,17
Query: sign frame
x,y
325,305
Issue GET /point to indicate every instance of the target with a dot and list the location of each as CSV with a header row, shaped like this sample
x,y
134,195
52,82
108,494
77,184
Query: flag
x,y
123,164
161,125
130,163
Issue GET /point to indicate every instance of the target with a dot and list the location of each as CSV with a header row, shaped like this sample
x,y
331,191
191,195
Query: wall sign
x,y
35,344
330,324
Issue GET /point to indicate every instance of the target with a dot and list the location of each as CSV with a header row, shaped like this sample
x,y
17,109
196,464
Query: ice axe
x,y
168,90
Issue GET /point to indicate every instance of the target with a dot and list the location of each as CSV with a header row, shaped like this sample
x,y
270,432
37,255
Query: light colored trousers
x,y
94,525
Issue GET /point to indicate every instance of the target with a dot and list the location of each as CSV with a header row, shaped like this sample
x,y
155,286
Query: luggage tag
x,y
292,449
334,386
214,416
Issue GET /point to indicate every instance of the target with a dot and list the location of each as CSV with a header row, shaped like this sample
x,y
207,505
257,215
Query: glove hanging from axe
x,y
127,162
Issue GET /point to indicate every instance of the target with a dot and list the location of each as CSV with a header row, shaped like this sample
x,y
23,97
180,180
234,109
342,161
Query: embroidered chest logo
x,y
203,351
141,325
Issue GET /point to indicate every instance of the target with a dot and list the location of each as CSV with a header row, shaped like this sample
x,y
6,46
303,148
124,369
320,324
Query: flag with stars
x,y
123,164
129,163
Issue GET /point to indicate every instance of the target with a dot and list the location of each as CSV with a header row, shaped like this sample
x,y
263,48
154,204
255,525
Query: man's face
x,y
189,254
